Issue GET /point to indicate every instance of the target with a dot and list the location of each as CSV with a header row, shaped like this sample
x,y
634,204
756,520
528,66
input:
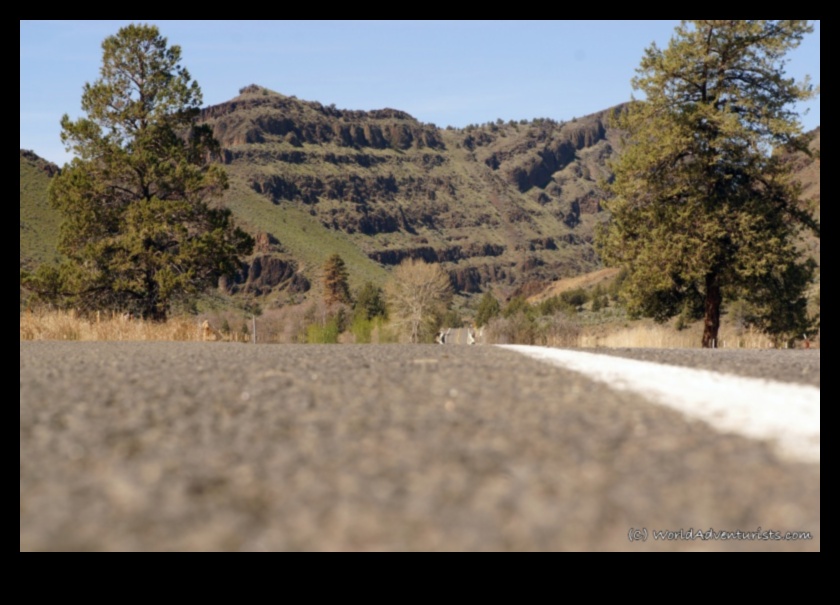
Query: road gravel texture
x,y
187,446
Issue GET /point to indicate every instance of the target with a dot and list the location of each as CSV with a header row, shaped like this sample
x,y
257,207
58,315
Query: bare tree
x,y
416,294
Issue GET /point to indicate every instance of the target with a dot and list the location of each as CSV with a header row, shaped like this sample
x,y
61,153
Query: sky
x,y
443,72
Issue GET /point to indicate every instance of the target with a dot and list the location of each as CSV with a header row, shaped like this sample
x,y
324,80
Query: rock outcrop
x,y
500,203
266,273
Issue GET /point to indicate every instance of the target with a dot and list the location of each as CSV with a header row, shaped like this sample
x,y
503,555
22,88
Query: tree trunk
x,y
155,312
711,323
155,308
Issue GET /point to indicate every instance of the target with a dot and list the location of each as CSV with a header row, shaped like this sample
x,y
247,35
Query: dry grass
x,y
287,325
558,331
649,335
68,325
586,281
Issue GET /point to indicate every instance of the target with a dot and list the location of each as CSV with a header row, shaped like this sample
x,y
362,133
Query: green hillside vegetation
x,y
39,223
301,237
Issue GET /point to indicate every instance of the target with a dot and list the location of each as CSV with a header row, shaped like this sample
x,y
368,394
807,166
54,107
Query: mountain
x,y
509,204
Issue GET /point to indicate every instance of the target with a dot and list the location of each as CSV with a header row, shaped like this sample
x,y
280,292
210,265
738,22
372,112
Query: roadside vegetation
x,y
565,315
701,211
69,325
142,228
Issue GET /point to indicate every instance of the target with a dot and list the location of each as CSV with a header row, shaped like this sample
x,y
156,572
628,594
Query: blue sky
x,y
444,72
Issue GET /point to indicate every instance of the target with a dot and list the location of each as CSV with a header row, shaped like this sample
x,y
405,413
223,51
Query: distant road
x,y
172,446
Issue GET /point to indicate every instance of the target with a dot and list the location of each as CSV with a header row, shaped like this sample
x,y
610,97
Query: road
x,y
188,446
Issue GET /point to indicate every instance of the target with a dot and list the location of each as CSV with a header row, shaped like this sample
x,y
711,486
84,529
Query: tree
x,y
488,308
336,285
140,231
702,208
369,302
417,292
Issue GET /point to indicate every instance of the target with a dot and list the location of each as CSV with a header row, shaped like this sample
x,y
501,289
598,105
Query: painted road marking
x,y
786,414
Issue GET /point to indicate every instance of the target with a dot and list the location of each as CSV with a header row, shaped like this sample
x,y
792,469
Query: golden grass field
x,y
665,337
69,325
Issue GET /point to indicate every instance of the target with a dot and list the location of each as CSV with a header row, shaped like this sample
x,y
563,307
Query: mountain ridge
x,y
500,205
511,206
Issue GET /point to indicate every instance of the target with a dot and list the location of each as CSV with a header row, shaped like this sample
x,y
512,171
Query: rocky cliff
x,y
505,203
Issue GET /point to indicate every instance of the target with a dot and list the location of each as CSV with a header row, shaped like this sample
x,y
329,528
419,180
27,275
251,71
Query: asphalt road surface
x,y
186,446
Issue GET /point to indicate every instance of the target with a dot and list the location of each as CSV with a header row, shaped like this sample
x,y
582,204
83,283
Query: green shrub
x,y
518,305
575,298
362,329
555,305
488,308
323,334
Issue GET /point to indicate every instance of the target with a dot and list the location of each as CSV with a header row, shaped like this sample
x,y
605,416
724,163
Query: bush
x,y
558,331
451,319
370,302
575,298
556,304
518,328
518,305
488,308
367,331
326,333
553,331
362,329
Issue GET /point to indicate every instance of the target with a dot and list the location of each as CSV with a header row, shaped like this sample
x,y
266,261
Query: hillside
x,y
510,204
38,221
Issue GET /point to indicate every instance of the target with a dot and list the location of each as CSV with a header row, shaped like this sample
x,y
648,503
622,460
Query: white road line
x,y
786,414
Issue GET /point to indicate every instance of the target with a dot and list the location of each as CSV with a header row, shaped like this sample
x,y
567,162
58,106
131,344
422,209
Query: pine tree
x,y
370,302
702,207
336,284
139,229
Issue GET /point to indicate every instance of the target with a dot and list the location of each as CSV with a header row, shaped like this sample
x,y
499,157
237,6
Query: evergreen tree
x,y
139,229
336,284
702,208
370,302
